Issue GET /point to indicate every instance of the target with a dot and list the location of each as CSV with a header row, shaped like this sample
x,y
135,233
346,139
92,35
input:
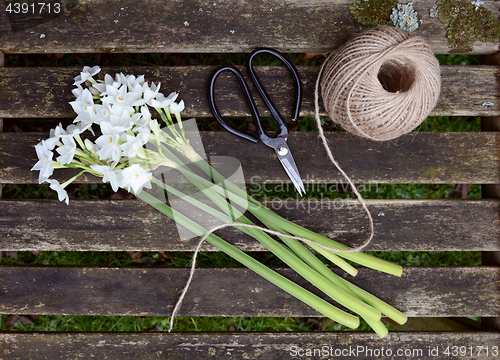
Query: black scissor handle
x,y
248,98
260,88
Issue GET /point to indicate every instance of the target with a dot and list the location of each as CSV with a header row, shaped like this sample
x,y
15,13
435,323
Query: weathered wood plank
x,y
414,158
202,26
45,92
421,291
400,225
244,345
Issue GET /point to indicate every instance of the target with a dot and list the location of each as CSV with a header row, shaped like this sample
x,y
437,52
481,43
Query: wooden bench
x,y
435,298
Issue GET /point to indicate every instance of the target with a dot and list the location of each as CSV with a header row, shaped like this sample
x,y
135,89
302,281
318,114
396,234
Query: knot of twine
x,y
380,85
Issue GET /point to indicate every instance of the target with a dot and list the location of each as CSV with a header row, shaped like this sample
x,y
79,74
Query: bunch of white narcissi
x,y
120,107
130,145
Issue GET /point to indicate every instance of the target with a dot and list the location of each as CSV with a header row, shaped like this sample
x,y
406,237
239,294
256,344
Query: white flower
x,y
173,96
135,177
84,103
120,96
160,101
107,175
84,107
52,141
133,143
102,113
133,83
44,164
58,131
154,126
177,107
78,91
67,151
124,121
86,73
149,92
143,121
108,80
61,193
108,142
77,129
94,91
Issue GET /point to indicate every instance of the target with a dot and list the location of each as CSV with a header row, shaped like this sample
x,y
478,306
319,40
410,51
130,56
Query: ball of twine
x,y
382,84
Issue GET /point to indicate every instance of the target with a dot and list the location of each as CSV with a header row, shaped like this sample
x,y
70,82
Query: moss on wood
x,y
372,12
467,23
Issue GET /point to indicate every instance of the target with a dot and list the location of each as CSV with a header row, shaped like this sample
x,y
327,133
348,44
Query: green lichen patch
x,y
48,97
373,12
4,81
79,15
467,23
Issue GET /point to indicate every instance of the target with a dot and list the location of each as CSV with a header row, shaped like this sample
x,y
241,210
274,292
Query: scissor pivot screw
x,y
282,150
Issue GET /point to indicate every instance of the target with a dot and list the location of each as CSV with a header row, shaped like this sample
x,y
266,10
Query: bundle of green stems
x,y
222,193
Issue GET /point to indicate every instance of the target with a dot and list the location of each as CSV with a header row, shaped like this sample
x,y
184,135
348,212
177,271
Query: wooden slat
x,y
450,225
207,26
421,291
414,158
244,345
45,92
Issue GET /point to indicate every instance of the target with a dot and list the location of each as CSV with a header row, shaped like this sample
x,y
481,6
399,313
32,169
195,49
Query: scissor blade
x,y
297,182
285,156
292,172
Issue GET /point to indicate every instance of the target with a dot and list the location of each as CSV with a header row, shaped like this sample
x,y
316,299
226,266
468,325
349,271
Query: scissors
x,y
278,143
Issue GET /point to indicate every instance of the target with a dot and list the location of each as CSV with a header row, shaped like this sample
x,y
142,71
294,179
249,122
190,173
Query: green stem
x,y
385,308
69,181
314,262
181,127
79,141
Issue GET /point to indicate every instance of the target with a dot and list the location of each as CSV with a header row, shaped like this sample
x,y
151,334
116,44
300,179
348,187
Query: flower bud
x,y
89,145
189,152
